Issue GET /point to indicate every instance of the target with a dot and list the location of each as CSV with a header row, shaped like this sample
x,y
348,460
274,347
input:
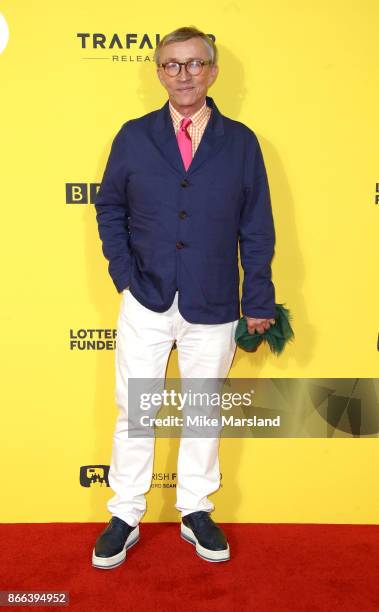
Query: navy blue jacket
x,y
165,229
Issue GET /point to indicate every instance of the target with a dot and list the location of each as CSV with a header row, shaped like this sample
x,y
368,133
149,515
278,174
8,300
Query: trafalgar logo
x,y
4,33
142,44
377,194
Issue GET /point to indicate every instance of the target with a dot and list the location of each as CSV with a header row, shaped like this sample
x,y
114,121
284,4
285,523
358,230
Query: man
x,y
182,185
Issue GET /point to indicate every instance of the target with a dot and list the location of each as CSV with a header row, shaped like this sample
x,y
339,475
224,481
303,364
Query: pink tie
x,y
185,142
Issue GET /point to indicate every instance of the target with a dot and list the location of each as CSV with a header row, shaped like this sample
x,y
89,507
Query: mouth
x,y
185,88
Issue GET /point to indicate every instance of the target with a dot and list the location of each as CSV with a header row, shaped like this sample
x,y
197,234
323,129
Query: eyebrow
x,y
175,59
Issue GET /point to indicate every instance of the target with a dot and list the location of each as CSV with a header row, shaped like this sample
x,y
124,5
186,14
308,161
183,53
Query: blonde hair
x,y
182,34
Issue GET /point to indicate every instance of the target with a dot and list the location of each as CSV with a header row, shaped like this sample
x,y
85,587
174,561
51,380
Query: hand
x,y
259,325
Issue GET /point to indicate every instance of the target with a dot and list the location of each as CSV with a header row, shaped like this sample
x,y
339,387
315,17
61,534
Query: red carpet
x,y
273,568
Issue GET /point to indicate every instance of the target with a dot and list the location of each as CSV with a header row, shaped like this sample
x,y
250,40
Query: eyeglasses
x,y
193,67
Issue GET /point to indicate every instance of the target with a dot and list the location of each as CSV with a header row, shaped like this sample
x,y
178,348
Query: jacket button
x,y
179,245
184,183
182,214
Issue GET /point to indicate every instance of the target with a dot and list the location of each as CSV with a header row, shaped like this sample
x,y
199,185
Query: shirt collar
x,y
196,118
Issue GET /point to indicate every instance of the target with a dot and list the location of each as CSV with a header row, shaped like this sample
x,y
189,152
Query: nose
x,y
183,74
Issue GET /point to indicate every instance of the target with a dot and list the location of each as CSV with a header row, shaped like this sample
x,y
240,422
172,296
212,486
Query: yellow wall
x,y
304,77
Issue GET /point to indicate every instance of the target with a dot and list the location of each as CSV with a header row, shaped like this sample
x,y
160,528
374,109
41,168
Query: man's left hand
x,y
259,325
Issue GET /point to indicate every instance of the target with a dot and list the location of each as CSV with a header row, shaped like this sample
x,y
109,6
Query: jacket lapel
x,y
164,137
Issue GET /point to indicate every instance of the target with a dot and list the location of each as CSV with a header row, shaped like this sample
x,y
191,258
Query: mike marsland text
x,y
204,421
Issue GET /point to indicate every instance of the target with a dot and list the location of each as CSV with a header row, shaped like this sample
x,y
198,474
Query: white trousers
x,y
144,341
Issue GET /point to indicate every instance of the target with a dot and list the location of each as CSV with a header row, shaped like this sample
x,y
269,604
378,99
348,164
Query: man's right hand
x,y
259,325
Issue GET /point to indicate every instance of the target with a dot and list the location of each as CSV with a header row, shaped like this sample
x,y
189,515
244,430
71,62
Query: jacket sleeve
x,y
257,238
112,213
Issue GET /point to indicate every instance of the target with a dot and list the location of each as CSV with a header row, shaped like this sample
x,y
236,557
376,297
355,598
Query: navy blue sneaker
x,y
199,529
111,546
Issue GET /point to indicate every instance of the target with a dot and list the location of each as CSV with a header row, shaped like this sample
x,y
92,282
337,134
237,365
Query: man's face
x,y
187,92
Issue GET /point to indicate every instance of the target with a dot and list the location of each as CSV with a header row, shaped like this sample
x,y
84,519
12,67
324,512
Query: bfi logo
x,y
81,193
377,194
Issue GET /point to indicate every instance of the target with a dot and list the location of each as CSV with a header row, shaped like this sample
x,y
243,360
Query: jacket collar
x,y
165,139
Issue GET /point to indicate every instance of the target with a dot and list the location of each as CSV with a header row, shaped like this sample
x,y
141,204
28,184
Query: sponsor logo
x,y
94,476
81,193
140,44
93,339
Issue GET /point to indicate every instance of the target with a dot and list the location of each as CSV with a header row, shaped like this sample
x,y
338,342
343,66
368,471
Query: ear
x,y
159,75
213,73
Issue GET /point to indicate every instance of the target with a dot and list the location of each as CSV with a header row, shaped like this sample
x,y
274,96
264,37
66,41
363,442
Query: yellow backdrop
x,y
304,77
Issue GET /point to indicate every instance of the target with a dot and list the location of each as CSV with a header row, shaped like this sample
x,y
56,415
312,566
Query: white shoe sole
x,y
206,554
116,560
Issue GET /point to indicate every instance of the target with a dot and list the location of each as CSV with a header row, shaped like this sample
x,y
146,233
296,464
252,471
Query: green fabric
x,y
277,335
